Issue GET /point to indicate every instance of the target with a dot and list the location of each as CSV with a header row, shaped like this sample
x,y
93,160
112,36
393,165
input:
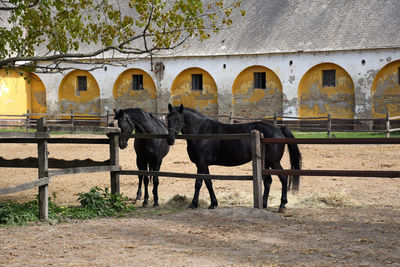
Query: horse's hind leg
x,y
267,185
283,179
142,165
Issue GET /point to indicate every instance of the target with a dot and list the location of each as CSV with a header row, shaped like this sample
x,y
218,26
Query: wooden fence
x,y
389,128
312,124
42,138
333,141
63,167
29,120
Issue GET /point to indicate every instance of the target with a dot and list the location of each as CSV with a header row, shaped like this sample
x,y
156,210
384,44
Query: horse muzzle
x,y
123,144
171,139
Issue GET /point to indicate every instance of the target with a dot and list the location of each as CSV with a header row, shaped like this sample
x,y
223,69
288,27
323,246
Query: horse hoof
x,y
155,205
145,204
192,206
211,207
282,210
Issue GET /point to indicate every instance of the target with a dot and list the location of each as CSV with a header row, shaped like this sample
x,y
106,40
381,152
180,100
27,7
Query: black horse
x,y
206,152
149,152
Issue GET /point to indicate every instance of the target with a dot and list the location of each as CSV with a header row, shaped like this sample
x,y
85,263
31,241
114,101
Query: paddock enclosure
x,y
332,220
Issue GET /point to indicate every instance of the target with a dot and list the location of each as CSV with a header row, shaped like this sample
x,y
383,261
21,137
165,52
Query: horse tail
x,y
295,161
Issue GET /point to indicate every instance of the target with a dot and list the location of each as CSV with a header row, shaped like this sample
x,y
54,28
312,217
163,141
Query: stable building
x,y
290,58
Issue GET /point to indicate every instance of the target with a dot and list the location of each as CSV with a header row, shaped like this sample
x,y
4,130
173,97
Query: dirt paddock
x,y
332,221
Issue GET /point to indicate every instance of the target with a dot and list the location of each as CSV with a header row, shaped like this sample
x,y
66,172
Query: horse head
x,y
175,122
126,125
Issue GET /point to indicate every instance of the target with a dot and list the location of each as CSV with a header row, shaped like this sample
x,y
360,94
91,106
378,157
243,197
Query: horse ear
x,y
117,113
169,107
180,109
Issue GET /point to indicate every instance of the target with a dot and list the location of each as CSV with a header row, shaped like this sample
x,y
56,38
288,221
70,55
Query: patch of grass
x,y
299,134
96,203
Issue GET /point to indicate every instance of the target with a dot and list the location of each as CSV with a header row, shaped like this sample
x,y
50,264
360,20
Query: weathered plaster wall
x,y
206,100
248,101
385,91
316,100
362,66
125,97
81,103
37,95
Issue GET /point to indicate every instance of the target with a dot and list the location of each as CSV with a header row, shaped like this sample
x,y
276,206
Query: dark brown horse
x,y
206,152
149,152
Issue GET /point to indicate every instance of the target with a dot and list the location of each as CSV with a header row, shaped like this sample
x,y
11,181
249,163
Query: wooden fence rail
x,y
333,141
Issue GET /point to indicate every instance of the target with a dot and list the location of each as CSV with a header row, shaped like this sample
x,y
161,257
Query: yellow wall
x,y
18,93
125,97
84,103
385,91
14,94
248,101
205,100
37,95
315,100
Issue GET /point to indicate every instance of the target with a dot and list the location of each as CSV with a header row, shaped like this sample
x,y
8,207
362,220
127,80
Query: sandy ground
x,y
333,221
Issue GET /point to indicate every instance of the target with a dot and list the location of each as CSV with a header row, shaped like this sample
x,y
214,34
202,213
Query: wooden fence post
x,y
42,170
107,118
72,121
114,160
328,132
257,168
387,125
27,120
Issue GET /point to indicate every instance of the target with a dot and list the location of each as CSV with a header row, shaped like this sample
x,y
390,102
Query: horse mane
x,y
138,114
197,113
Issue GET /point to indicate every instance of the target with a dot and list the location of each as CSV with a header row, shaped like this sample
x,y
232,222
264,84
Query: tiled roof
x,y
284,26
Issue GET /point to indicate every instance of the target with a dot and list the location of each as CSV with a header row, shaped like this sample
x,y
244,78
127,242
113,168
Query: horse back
x,y
231,152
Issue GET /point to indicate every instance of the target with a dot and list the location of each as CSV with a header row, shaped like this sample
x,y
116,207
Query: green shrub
x,y
102,202
97,202
18,214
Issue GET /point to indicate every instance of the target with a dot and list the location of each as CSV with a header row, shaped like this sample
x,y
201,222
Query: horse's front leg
x,y
195,200
139,190
146,191
142,165
208,182
155,167
155,191
198,184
